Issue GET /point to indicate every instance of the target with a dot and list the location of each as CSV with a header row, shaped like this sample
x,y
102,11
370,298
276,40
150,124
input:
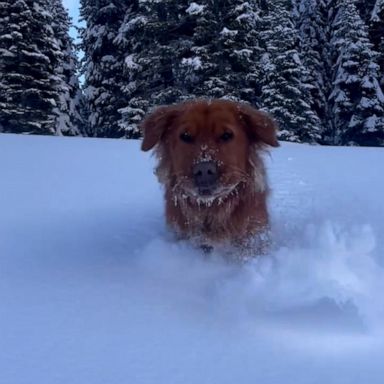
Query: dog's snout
x,y
205,174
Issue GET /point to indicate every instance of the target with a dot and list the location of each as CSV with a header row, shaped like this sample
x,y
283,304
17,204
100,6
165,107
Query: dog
x,y
210,162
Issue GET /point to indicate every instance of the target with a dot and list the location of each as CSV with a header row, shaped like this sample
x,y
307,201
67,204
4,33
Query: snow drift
x,y
93,288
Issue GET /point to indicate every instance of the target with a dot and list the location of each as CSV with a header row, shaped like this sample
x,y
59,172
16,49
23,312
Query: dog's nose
x,y
205,175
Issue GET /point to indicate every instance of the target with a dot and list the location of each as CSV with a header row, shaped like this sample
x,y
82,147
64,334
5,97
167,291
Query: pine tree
x,y
376,32
134,108
37,81
284,93
29,56
182,49
139,54
69,119
154,37
103,65
224,57
198,68
312,25
357,99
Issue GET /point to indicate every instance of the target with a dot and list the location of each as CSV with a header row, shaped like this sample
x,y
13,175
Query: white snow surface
x,y
94,289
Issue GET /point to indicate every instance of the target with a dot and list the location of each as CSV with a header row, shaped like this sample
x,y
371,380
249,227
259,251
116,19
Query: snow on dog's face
x,y
208,149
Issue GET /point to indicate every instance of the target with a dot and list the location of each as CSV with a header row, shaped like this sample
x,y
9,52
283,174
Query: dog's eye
x,y
186,137
226,136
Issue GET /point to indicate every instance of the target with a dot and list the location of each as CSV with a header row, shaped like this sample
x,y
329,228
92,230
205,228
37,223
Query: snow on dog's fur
x,y
229,135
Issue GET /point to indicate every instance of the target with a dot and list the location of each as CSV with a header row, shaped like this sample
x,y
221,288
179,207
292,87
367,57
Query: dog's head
x,y
207,148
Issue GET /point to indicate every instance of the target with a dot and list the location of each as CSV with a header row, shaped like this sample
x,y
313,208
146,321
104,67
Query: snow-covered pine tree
x,y
184,49
69,119
224,57
357,99
312,20
134,108
376,32
284,93
102,65
29,56
154,36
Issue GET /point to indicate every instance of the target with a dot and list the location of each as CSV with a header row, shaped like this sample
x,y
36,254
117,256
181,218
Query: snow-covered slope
x,y
94,290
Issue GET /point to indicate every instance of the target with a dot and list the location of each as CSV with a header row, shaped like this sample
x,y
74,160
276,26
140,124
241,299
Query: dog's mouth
x,y
208,195
206,191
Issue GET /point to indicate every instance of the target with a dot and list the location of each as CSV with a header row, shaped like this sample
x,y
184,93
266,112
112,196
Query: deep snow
x,y
93,289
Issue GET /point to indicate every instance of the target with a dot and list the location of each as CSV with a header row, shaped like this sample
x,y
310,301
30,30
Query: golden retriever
x,y
210,163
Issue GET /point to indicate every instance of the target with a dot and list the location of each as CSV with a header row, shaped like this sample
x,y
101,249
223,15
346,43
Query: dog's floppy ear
x,y
156,124
260,127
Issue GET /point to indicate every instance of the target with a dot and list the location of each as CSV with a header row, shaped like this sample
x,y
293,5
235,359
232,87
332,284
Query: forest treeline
x,y
316,65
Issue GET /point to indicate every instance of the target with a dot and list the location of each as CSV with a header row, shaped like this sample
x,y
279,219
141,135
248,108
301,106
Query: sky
x,y
73,9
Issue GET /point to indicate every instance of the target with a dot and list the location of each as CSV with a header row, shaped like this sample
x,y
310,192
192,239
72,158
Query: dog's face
x,y
205,147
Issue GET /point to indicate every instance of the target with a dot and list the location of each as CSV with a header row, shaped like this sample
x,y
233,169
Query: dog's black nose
x,y
205,175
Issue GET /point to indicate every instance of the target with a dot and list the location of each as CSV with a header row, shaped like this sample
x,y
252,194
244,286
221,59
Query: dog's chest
x,y
209,221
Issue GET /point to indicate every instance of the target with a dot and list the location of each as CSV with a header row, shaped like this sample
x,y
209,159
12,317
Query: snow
x,y
130,62
108,59
243,53
136,22
94,289
195,9
371,123
380,94
228,32
379,4
193,62
37,56
6,53
7,36
296,59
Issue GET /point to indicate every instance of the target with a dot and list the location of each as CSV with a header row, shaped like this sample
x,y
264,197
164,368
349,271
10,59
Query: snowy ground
x,y
93,290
